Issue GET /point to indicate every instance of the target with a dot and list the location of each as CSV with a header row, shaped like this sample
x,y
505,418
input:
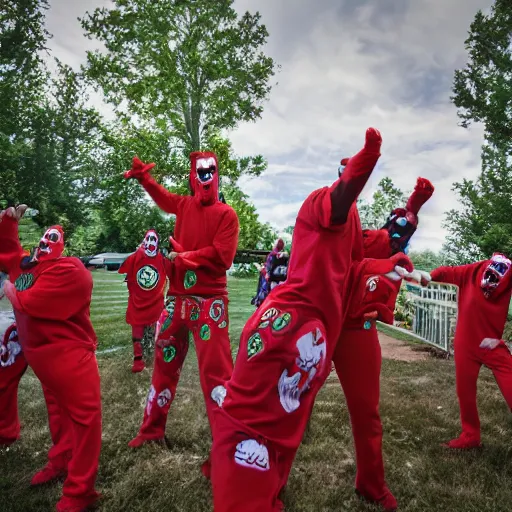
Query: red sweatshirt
x,y
209,235
52,302
477,317
146,282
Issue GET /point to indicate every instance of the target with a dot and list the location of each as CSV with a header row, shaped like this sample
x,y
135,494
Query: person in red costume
x,y
51,297
204,247
286,346
359,341
12,367
267,281
145,271
484,295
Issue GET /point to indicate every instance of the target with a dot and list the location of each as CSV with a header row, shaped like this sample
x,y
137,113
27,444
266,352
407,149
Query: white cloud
x,y
346,66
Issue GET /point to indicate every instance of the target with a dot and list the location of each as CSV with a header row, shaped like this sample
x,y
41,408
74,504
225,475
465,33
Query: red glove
x,y
402,260
175,246
183,260
373,140
139,169
422,193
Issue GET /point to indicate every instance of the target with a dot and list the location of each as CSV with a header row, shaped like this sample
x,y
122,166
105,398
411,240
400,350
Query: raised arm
x,y
452,275
11,251
345,191
165,200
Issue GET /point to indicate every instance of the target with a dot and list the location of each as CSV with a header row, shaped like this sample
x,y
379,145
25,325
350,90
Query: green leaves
x,y
191,65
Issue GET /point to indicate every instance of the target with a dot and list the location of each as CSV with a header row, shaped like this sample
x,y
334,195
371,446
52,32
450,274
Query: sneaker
x,y
387,503
138,366
48,474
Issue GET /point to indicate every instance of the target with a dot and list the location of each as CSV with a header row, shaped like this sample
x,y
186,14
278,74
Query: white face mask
x,y
151,244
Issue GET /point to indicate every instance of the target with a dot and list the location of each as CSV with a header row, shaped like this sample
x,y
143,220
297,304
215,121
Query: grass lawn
x,y
419,410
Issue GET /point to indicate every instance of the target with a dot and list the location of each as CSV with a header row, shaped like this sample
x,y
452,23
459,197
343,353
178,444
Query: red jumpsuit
x,y
479,317
12,368
286,348
359,341
206,234
51,300
145,271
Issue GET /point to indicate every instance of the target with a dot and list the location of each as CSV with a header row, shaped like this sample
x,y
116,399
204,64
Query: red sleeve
x,y
452,275
58,293
222,252
11,251
127,265
165,200
345,191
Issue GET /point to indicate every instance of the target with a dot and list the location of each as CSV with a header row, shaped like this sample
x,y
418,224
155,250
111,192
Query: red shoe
x,y
75,504
463,442
138,366
206,468
48,474
387,503
138,441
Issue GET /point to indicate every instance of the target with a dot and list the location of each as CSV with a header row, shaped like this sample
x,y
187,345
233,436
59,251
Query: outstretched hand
x,y
402,260
373,140
14,212
138,170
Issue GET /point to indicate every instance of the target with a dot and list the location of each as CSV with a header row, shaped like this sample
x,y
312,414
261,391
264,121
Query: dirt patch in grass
x,y
399,350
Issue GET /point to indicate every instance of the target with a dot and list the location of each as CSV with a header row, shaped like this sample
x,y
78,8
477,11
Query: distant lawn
x,y
419,411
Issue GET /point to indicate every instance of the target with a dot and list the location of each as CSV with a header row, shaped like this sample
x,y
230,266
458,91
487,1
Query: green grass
x,y
419,410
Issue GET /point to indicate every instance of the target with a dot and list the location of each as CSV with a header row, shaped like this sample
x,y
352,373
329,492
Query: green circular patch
x,y
367,325
194,313
169,353
264,324
24,282
147,277
190,279
205,332
254,345
281,322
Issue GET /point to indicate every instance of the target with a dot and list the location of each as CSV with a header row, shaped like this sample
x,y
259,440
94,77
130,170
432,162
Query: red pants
x,y
467,366
207,319
71,385
358,361
10,377
255,486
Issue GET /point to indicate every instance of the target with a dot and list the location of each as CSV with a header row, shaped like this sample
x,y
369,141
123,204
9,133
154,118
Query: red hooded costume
x,y
51,298
145,271
286,347
359,341
484,295
12,368
205,242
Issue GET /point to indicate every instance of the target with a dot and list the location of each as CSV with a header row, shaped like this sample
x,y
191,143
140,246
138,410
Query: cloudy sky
x,y
346,65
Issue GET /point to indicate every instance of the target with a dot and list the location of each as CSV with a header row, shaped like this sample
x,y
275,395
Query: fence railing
x,y
435,313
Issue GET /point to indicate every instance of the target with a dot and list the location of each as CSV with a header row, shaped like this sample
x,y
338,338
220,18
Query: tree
x,y
427,260
184,67
482,91
484,223
387,197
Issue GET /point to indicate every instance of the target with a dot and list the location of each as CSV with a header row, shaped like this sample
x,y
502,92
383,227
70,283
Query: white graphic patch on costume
x,y
218,395
147,277
371,283
297,380
164,398
217,310
251,454
149,400
10,351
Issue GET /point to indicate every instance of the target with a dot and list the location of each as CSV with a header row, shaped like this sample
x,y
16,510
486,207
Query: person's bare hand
x,y
172,255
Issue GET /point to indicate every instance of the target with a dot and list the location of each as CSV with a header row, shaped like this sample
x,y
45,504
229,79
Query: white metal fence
x,y
435,313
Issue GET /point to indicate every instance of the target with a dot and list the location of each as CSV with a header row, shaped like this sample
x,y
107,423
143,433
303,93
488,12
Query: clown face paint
x,y
204,177
10,350
494,273
150,243
51,245
296,381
